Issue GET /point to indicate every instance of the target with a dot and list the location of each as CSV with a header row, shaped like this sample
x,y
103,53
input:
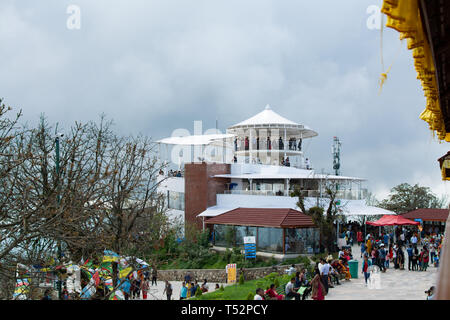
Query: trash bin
x,y
353,266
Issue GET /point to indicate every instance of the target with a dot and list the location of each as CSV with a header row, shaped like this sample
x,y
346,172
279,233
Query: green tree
x,y
405,197
324,222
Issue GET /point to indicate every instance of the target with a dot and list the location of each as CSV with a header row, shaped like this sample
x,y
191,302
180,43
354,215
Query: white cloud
x,y
154,66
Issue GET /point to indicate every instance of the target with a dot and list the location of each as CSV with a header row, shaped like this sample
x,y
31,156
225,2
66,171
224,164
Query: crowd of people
x,y
189,287
175,173
267,144
382,251
327,273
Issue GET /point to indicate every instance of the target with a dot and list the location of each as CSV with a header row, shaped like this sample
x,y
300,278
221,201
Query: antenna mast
x,y
336,150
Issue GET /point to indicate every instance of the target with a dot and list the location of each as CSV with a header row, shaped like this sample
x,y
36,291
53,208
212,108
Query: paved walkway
x,y
156,291
394,284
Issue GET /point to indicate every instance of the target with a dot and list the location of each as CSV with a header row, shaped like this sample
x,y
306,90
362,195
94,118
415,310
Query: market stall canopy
x,y
392,220
354,208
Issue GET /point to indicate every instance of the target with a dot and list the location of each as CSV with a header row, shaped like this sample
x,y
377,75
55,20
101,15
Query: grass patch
x,y
242,291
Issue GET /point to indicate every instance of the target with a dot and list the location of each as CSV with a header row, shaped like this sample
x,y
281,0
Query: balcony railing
x,y
342,194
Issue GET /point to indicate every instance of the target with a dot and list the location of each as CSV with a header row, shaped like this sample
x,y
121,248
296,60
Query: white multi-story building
x,y
240,184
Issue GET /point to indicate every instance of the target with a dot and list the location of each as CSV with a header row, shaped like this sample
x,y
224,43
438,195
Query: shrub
x,y
277,282
241,279
199,292
222,288
250,296
271,277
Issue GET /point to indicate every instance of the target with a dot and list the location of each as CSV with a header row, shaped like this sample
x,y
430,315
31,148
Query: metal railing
x,y
342,194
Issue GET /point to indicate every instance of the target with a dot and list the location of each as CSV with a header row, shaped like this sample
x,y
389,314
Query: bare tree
x,y
105,194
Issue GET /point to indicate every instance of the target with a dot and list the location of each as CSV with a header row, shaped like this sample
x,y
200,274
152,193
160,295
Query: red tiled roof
x,y
264,217
428,214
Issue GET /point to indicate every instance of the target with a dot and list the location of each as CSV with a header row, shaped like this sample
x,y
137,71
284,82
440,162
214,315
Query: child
x,y
436,261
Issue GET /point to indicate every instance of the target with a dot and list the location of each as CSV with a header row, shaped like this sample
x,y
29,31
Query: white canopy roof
x,y
215,211
348,208
270,119
267,116
205,139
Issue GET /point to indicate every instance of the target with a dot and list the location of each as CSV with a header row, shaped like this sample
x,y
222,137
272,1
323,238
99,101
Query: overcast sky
x,y
157,65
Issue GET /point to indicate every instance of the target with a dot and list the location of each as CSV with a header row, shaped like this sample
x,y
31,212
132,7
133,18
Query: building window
x,y
242,232
224,235
302,241
270,240
219,235
175,200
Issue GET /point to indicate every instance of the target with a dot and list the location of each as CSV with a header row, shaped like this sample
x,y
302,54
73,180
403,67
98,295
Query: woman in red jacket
x,y
273,294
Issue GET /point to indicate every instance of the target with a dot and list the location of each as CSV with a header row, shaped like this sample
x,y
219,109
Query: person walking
x,y
365,268
187,277
145,288
413,240
401,258
154,275
415,258
318,291
359,238
382,258
410,252
388,257
425,259
168,290
324,274
363,248
386,240
432,252
369,245
394,256
420,259
374,255
183,291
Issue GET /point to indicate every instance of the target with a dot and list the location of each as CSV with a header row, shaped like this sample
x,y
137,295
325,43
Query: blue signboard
x,y
250,247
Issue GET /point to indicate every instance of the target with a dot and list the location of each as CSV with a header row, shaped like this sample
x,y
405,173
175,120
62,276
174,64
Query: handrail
x,y
343,194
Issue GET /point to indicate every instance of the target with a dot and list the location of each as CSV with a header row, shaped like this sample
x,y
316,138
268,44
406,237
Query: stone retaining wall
x,y
219,275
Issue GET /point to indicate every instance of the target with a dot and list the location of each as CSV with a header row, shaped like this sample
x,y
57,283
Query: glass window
x,y
224,235
303,241
175,200
270,240
242,232
219,235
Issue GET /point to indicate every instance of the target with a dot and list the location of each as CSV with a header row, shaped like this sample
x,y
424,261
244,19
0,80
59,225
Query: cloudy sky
x,y
157,65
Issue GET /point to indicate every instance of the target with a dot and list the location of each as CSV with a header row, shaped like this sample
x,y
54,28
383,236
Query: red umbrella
x,y
392,220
